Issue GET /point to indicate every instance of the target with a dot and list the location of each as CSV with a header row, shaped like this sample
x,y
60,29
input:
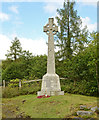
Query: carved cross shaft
x,y
51,30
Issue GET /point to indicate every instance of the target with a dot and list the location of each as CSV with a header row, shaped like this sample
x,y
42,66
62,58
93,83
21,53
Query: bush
x,y
9,92
14,84
82,87
13,71
31,88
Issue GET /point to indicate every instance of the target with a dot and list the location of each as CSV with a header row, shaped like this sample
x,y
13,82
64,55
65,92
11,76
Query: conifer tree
x,y
15,49
71,38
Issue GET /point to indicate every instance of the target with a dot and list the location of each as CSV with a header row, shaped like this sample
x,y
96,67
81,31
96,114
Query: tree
x,y
14,70
71,38
27,59
15,49
82,66
39,65
26,55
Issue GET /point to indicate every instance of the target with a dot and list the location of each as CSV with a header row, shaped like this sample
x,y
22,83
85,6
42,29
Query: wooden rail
x,y
20,82
62,78
31,81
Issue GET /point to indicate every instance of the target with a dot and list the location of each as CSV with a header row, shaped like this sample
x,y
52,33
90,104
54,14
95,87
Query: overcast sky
x,y
26,19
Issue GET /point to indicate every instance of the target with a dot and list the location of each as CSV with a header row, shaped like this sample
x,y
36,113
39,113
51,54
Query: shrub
x,y
9,92
82,87
14,83
31,88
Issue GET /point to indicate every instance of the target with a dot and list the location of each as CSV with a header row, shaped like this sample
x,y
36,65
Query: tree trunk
x,y
68,42
15,55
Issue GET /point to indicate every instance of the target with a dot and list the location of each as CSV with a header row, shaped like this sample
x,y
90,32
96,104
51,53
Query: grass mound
x,y
51,107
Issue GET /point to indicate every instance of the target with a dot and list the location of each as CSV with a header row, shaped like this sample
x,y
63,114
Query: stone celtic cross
x,y
51,30
50,81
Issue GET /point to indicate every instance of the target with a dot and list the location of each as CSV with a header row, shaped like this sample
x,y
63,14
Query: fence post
x,y
3,83
19,83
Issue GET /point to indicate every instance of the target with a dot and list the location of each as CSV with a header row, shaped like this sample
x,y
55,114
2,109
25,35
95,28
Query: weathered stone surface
x,y
50,81
94,109
50,30
82,113
50,93
50,85
82,107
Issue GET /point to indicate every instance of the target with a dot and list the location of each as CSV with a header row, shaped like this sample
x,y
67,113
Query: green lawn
x,y
52,107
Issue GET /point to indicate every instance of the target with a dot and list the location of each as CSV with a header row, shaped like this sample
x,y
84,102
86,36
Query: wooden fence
x,y
21,82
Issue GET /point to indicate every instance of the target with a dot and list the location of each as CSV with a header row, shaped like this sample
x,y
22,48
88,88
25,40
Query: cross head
x,y
50,27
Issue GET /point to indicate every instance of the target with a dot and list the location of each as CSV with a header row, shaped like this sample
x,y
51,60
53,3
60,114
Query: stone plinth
x,y
50,93
50,85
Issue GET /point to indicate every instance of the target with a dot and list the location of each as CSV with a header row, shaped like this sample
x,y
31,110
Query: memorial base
x,y
50,85
50,93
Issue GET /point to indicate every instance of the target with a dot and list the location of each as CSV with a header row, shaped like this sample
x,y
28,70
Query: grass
x,y
52,107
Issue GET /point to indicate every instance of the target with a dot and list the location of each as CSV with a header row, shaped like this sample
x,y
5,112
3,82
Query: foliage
x,y
71,38
26,67
13,71
82,87
26,89
80,67
80,71
14,83
39,66
9,92
6,63
15,49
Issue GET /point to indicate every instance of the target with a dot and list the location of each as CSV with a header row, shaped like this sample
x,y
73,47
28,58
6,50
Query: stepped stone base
x,y
50,93
50,85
